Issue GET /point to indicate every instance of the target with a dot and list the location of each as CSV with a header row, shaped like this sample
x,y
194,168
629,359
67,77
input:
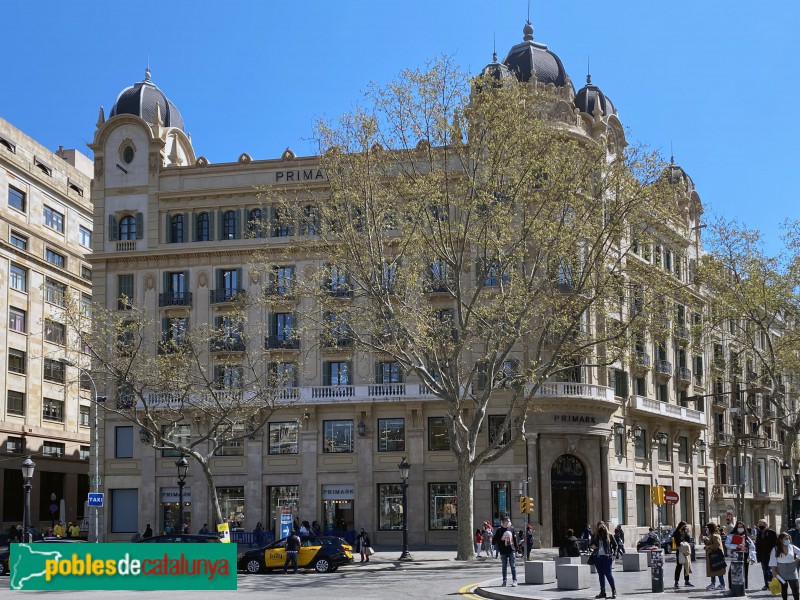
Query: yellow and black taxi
x,y
324,554
6,552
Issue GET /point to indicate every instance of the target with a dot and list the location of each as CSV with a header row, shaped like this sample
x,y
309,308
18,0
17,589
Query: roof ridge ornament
x,y
147,75
527,31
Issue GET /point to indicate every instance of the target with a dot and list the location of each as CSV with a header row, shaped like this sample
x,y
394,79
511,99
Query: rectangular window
x,y
15,445
54,291
55,332
86,272
683,449
390,506
18,278
389,372
229,377
124,510
663,449
15,403
337,436
20,241
281,281
53,449
83,416
619,441
231,503
16,199
501,500
443,502
16,361
685,504
622,501
86,305
180,434
231,442
336,373
496,429
125,292
701,505
83,453
640,445
642,504
391,435
53,370
283,437
619,381
438,439
123,441
52,410
16,320
53,219
84,236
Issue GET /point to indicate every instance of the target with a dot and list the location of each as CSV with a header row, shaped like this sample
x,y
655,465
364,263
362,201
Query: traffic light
x,y
525,504
657,491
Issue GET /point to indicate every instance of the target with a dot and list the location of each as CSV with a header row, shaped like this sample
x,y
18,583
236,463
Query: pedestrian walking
x,y
619,537
747,546
505,541
603,548
478,542
363,544
683,550
783,561
292,548
766,540
487,534
713,543
528,541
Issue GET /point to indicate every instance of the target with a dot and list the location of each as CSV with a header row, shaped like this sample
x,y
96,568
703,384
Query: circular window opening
x,y
127,154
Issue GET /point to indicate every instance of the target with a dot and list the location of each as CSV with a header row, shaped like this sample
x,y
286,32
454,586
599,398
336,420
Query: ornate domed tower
x,y
143,135
531,60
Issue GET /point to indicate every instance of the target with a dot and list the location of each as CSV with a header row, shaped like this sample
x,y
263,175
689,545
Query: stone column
x,y
605,493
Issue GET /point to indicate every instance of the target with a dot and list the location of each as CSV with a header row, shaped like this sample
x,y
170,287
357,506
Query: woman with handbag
x,y
363,545
683,550
715,558
603,550
783,560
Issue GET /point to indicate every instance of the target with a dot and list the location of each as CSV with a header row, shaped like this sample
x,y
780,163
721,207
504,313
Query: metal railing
x,y
225,295
175,299
664,367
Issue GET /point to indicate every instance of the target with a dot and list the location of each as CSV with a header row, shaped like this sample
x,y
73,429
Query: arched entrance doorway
x,y
568,489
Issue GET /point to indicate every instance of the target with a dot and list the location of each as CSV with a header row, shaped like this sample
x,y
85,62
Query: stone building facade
x,y
45,237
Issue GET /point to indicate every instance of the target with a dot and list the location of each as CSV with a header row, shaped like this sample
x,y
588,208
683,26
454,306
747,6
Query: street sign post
x,y
96,499
671,497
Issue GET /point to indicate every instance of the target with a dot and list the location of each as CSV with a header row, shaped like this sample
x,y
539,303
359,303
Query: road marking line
x,y
466,591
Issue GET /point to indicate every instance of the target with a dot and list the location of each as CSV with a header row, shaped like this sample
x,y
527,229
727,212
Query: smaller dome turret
x,y
590,100
496,69
675,175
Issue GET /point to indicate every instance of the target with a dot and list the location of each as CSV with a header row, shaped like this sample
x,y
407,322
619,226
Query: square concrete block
x,y
540,571
573,577
635,561
568,560
585,561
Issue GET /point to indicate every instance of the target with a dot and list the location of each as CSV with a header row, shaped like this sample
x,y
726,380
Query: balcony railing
x,y
227,345
723,439
664,367
684,374
344,291
681,332
698,380
725,491
175,299
565,389
126,246
280,342
669,411
721,400
281,290
225,295
642,359
337,342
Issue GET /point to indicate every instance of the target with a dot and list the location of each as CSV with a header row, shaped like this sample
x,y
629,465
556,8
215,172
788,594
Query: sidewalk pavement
x,y
628,584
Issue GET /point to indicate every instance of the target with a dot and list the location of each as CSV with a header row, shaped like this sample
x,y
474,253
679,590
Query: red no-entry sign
x,y
671,497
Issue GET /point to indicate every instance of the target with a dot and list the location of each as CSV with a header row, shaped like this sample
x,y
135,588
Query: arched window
x,y
229,225
256,223
203,227
127,228
176,229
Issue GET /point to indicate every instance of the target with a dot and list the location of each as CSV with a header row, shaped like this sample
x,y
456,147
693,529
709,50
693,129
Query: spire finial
x,y
588,71
494,47
671,154
147,74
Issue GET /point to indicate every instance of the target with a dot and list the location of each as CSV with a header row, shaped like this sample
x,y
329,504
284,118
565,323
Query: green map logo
x,y
123,566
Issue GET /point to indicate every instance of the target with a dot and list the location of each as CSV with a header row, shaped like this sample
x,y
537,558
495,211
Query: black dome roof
x,y
589,95
142,98
496,70
530,59
677,176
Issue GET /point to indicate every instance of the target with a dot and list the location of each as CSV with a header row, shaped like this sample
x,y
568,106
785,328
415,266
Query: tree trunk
x,y
466,517
211,488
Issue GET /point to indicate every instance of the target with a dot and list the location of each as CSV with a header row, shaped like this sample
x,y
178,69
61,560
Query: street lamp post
x,y
183,467
95,400
404,470
786,471
27,474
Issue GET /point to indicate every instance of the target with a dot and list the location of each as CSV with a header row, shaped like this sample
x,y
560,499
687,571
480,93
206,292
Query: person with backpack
x,y
506,543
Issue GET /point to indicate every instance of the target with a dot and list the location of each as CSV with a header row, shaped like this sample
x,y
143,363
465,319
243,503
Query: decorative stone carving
x,y
98,167
288,155
244,159
202,162
149,282
202,279
255,277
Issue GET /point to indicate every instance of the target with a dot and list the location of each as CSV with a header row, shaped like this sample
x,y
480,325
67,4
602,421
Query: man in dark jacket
x,y
506,543
766,540
292,549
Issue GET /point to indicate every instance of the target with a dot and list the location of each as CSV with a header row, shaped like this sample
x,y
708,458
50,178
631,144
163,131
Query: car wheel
x,y
322,565
2,568
253,566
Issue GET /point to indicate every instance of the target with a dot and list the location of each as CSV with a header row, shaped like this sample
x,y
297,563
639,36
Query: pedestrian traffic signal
x,y
525,504
657,491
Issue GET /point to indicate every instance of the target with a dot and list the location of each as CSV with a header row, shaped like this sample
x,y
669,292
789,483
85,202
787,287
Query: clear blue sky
x,y
718,79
